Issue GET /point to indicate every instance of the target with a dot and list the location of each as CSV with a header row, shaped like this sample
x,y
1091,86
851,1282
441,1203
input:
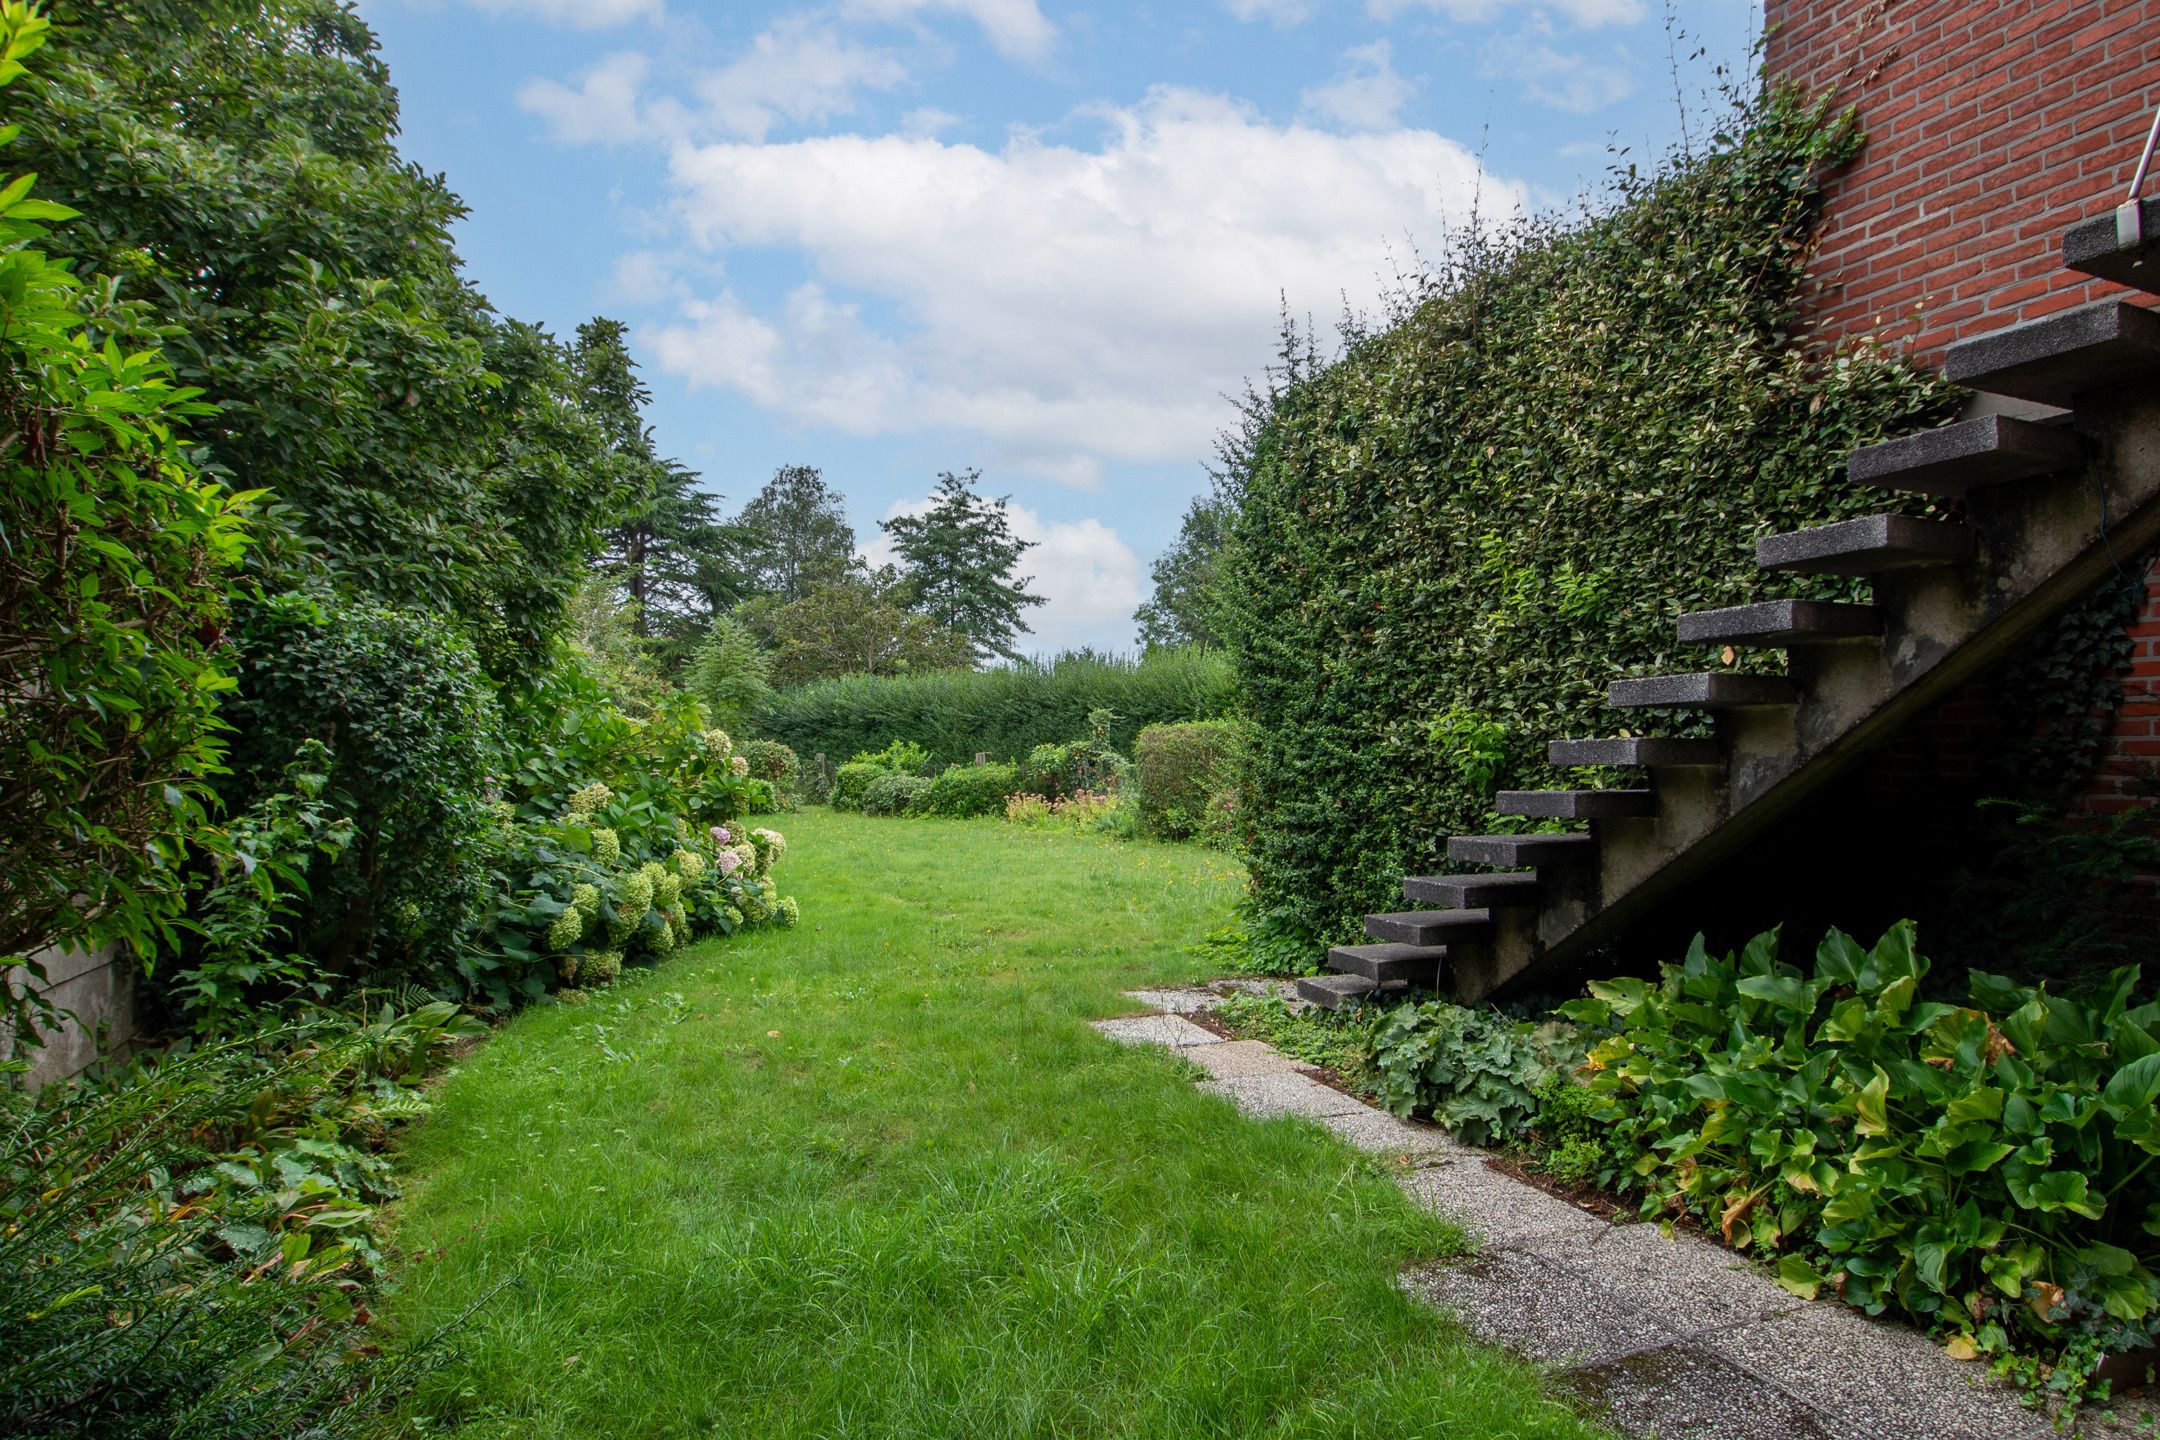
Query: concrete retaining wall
x,y
96,990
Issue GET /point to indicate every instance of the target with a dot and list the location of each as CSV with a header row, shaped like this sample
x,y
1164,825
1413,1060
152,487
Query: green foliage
x,y
1334,1040
730,674
778,766
900,757
894,793
114,561
1503,499
1007,711
241,156
1985,1168
1187,778
410,722
962,791
854,625
958,558
1570,1133
183,1248
1477,1071
797,533
851,781
1187,595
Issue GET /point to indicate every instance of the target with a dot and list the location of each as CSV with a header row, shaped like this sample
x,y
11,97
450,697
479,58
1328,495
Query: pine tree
x,y
959,557
731,674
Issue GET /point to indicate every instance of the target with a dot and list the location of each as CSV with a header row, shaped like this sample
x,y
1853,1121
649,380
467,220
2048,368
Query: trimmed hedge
x,y
1482,514
1183,773
852,781
891,794
1006,711
966,790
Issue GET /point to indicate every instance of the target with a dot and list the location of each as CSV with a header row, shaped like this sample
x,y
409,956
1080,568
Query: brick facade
x,y
1992,125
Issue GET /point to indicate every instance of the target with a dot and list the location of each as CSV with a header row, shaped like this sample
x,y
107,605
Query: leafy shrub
x,y
968,790
813,784
852,780
899,757
1504,497
1476,1071
1182,773
220,1203
891,794
1005,712
771,760
1986,1168
115,556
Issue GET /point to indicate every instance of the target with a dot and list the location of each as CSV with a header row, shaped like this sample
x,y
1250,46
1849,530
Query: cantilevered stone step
x,y
1471,892
2053,361
1514,852
1630,751
2098,247
1342,992
1780,622
1865,546
1707,690
1967,456
1576,804
1417,965
1428,927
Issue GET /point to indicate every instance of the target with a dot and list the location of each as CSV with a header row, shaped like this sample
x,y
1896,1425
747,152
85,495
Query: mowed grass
x,y
876,1177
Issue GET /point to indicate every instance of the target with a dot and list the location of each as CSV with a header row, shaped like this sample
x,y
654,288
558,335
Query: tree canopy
x,y
959,556
801,536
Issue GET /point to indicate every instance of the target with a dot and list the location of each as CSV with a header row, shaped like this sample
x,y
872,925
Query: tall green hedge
x,y
1484,512
1004,712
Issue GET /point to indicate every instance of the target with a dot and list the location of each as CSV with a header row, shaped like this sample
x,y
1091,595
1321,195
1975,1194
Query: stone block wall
x,y
96,993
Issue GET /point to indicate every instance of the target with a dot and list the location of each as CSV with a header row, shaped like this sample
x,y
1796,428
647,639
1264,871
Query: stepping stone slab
x,y
1262,1096
1690,1392
1177,1002
1235,1059
1684,1283
1879,1380
1380,1133
1174,1031
1512,1298
1501,1212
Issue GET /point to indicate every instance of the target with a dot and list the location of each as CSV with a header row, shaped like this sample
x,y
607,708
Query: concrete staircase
x,y
2057,470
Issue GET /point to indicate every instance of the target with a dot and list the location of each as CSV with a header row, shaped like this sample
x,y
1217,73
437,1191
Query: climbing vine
x,y
1486,509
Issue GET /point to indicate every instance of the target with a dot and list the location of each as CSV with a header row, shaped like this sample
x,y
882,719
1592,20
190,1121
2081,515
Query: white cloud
x,y
1015,27
1069,304
601,110
799,69
1366,93
1089,578
926,121
1478,12
643,277
1564,80
1276,12
583,14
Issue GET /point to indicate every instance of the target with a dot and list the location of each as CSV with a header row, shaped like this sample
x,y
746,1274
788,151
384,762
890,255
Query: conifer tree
x,y
959,557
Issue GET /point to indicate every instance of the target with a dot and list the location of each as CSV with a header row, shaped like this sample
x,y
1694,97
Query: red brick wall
x,y
1992,125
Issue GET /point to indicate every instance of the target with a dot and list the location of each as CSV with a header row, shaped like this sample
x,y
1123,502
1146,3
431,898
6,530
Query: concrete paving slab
x,y
1684,1282
1512,1298
1174,1031
1873,1380
1689,1392
1177,1002
1282,1094
1383,1134
1503,1213
1234,1059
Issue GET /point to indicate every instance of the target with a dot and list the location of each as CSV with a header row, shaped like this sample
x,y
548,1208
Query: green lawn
x,y
876,1177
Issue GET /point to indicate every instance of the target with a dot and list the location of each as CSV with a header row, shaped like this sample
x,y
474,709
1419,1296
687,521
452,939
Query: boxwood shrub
x,y
967,790
852,781
1495,504
891,794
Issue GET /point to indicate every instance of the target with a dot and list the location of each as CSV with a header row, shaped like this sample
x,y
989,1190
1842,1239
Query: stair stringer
x,y
2040,550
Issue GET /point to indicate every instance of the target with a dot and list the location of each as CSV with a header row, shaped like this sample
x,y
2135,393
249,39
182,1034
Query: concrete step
x,y
1471,892
1417,965
1343,992
1779,622
1633,751
1967,456
1428,927
1866,546
2053,361
2098,247
1576,804
1516,852
1705,690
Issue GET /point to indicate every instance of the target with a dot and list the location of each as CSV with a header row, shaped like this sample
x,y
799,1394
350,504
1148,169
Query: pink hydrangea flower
x,y
729,862
720,835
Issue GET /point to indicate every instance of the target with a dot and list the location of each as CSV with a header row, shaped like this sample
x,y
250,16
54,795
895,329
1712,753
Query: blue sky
x,y
893,237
